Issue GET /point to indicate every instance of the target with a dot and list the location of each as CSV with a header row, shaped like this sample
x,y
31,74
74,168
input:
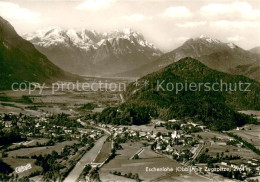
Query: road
x,y
86,159
97,127
196,154
137,153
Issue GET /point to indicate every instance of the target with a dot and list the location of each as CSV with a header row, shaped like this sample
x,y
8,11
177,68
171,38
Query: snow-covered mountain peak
x,y
208,39
84,38
127,30
232,45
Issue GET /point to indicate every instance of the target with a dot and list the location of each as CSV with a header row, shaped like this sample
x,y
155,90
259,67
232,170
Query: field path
x,y
86,159
122,98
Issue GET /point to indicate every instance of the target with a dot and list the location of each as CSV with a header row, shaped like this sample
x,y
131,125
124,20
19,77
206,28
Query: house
x,y
92,136
224,163
202,127
29,134
174,134
68,131
183,124
8,124
231,139
133,134
193,124
173,120
169,148
160,122
158,147
142,134
83,131
166,139
153,136
176,153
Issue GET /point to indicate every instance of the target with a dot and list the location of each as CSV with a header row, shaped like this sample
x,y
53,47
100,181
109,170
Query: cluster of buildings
x,y
163,142
40,126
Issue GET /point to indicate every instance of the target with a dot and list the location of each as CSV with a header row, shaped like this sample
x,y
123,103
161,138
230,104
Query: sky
x,y
166,23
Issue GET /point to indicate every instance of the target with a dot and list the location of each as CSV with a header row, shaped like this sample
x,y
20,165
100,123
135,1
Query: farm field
x,y
30,142
148,128
250,133
56,102
116,178
40,150
249,112
15,162
220,145
104,153
148,159
232,150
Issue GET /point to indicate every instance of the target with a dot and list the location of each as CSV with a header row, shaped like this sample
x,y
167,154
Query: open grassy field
x,y
250,133
14,162
66,101
211,134
31,142
104,153
148,159
148,128
233,150
40,150
252,112
115,178
220,145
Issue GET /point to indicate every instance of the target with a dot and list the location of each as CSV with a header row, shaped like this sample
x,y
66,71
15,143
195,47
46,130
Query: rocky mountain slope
x,y
211,52
92,53
20,61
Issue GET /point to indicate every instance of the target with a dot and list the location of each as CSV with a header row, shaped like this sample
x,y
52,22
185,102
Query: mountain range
x,y
118,53
127,54
92,53
21,62
225,57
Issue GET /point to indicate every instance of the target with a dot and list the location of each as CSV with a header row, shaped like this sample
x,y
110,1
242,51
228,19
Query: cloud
x,y
235,38
177,12
12,12
135,17
191,24
233,10
95,5
235,24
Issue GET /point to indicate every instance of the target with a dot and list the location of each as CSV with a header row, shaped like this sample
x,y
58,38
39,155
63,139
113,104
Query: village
x,y
192,145
187,145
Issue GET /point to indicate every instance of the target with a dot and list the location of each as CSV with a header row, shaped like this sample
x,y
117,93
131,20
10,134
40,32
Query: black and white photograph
x,y
129,90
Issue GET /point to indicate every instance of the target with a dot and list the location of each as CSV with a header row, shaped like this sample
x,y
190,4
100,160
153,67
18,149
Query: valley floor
x,y
143,149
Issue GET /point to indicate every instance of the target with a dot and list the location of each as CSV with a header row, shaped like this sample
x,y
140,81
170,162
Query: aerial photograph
x,y
129,90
